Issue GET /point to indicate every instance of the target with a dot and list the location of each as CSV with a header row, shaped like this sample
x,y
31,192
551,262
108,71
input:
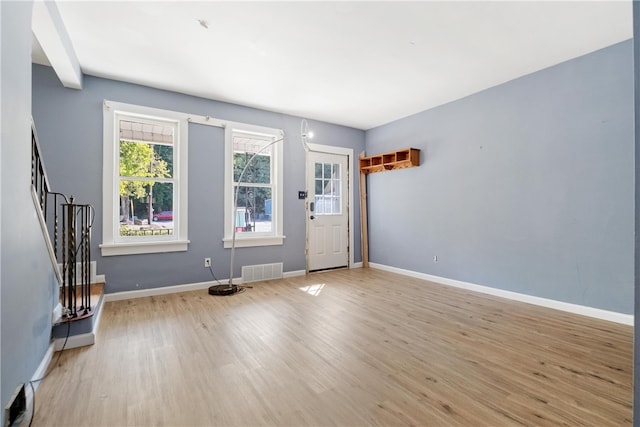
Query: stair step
x,y
80,331
97,292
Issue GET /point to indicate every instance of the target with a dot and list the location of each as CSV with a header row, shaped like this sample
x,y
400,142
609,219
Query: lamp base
x,y
223,290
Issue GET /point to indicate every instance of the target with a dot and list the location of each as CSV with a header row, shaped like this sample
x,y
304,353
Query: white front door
x,y
327,211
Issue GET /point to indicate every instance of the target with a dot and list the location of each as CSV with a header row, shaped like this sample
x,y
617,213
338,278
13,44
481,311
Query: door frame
x,y
343,151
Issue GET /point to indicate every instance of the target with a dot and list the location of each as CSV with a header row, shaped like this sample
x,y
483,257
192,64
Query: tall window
x,y
256,213
144,180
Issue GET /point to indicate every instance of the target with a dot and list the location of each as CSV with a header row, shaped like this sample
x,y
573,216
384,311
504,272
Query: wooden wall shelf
x,y
406,158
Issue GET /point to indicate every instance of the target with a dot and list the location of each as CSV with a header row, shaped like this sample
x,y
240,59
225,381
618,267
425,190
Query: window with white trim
x,y
253,186
144,180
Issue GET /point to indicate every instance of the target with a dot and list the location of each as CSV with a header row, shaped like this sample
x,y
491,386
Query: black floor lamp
x,y
231,288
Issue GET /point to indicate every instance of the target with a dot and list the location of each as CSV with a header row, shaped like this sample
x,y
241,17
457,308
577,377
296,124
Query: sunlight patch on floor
x,y
313,289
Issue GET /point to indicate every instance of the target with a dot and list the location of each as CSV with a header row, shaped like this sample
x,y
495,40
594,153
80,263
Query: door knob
x,y
312,217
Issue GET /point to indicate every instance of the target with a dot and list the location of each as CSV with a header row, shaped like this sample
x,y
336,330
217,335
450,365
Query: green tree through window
x,y
140,162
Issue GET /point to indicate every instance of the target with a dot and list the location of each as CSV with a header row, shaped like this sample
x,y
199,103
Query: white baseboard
x,y
612,316
75,341
55,345
42,367
36,378
99,278
96,324
28,394
295,273
303,272
118,296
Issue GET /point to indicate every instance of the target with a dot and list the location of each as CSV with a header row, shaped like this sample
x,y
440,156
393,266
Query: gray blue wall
x,y
69,124
527,186
28,287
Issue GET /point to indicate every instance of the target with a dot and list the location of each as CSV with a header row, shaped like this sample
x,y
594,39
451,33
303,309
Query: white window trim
x,y
247,240
110,175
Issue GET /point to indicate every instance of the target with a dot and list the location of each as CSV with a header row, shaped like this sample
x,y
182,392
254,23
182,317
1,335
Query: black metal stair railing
x,y
76,254
68,235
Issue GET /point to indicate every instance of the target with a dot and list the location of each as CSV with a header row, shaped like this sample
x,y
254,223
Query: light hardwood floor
x,y
350,347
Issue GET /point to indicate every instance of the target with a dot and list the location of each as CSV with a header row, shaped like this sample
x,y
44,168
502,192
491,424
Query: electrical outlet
x,y
435,258
207,262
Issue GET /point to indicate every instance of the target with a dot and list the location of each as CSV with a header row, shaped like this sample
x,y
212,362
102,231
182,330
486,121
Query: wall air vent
x,y
256,273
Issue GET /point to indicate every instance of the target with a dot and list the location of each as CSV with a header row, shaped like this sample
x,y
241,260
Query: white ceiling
x,y
360,64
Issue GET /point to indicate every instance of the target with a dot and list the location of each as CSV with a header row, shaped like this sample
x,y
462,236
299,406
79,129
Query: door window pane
x,y
336,171
328,198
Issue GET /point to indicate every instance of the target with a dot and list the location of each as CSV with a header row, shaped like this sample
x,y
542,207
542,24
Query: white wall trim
x,y
132,248
295,273
251,242
42,367
119,296
41,370
75,341
125,295
275,139
112,243
612,316
96,324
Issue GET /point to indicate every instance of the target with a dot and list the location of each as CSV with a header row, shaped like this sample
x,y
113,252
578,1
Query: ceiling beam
x,y
48,28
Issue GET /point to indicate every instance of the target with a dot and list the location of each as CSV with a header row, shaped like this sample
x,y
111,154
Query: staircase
x,y
66,227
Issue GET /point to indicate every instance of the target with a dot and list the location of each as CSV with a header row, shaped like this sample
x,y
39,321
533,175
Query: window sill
x,y
113,249
247,242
